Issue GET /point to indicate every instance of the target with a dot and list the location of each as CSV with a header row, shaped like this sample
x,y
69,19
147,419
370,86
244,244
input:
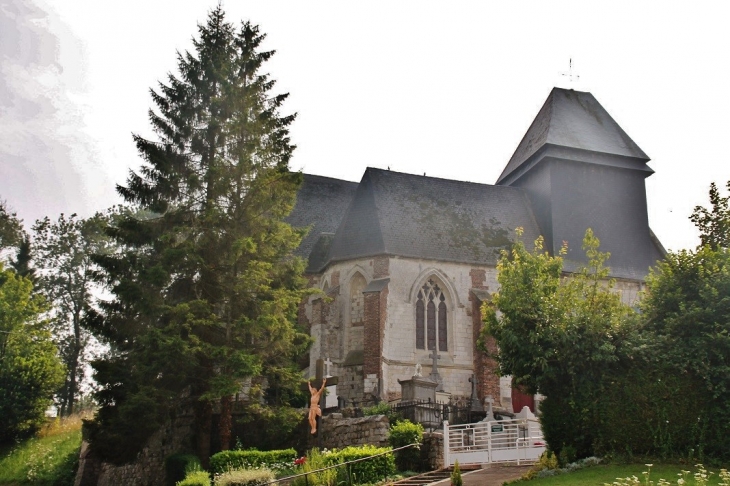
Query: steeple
x,y
581,170
575,122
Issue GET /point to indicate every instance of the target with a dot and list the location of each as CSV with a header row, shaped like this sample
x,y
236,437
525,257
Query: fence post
x,y
489,442
446,444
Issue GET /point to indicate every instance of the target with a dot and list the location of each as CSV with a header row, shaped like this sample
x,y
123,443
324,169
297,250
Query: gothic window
x,y
431,326
357,300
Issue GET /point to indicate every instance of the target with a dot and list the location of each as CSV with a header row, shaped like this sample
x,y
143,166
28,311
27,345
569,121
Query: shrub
x,y
195,478
371,471
456,475
317,460
225,461
383,408
177,466
245,477
364,472
403,434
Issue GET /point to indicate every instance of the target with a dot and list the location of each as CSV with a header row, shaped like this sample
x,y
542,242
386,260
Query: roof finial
x,y
570,74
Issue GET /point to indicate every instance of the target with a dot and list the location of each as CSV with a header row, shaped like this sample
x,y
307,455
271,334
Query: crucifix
x,y
476,406
435,371
316,388
570,74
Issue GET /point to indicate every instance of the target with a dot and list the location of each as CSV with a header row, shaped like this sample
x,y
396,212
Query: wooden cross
x,y
319,376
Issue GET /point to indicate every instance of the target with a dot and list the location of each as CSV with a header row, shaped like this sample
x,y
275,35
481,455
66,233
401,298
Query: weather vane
x,y
570,74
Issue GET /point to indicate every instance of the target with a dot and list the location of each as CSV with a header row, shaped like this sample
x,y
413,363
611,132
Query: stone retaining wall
x,y
338,432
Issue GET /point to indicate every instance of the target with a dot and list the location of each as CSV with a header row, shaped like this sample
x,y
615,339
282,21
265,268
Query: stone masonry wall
x,y
432,450
338,432
149,467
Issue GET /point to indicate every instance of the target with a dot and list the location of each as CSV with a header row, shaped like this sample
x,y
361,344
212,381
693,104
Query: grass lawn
x,y
598,475
45,460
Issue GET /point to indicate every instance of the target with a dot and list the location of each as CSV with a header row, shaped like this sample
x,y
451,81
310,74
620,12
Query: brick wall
x,y
374,329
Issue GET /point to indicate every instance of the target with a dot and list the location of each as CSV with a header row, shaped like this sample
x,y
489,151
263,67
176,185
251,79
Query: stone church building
x,y
405,260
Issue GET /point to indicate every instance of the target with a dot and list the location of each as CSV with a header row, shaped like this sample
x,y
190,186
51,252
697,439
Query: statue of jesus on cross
x,y
314,408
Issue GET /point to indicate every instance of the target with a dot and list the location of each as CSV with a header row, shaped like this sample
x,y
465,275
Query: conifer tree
x,y
205,286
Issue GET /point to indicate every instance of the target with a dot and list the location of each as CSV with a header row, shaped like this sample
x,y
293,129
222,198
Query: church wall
x,y
400,353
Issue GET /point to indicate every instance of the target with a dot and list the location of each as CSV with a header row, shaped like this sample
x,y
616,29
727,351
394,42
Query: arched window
x,y
431,326
357,300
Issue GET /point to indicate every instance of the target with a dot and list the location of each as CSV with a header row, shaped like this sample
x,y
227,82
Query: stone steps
x,y
424,479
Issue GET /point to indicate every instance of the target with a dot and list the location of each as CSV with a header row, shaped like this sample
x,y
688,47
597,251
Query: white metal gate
x,y
517,440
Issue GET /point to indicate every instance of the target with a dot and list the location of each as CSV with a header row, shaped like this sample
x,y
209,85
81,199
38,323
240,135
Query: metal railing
x,y
334,466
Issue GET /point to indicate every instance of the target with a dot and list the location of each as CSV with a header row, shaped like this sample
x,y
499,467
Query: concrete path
x,y
491,476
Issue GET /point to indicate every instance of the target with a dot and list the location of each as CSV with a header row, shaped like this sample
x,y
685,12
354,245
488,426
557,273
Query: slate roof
x,y
577,120
321,203
416,216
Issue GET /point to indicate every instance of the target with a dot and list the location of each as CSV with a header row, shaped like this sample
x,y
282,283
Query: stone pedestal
x,y
418,388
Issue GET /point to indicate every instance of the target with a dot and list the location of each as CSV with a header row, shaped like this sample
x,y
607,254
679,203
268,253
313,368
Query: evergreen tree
x,y
11,228
205,288
21,263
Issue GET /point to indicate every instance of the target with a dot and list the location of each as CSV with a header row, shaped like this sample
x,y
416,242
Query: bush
x,y
403,434
177,466
317,460
456,475
245,477
371,471
383,408
195,478
225,461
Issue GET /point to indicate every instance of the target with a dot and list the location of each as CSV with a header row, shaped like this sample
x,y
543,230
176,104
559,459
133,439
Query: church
x,y
405,261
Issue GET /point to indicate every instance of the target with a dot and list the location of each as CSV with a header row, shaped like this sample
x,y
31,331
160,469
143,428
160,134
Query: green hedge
x,y
371,471
225,461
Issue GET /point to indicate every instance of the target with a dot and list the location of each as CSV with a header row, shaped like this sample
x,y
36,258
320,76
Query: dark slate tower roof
x,y
425,217
581,170
321,203
572,119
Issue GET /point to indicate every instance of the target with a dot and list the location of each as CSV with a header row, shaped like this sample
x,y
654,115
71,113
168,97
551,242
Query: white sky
x,y
446,88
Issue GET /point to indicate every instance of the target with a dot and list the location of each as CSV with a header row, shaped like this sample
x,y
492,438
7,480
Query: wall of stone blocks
x,y
338,432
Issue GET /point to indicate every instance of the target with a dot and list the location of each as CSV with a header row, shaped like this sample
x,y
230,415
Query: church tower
x,y
581,170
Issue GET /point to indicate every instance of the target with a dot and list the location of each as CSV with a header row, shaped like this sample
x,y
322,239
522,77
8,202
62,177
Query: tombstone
x,y
418,388
488,401
331,395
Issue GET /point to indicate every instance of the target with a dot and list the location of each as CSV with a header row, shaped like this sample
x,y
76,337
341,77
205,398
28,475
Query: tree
x,y
11,228
686,314
22,262
30,371
64,251
205,287
714,224
558,335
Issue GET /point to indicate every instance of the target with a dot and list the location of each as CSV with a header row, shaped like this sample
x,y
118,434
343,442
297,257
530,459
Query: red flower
x,y
300,461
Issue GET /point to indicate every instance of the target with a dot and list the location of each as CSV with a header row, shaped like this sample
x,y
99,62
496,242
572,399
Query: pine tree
x,y
205,287
21,263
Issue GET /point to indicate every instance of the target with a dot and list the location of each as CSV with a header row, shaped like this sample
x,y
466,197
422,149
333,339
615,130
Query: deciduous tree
x,y
30,370
64,250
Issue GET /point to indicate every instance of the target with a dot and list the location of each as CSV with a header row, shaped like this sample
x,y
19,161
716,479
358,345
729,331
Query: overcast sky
x,y
446,88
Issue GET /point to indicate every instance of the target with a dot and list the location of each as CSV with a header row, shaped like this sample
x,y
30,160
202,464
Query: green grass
x,y
598,475
50,459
